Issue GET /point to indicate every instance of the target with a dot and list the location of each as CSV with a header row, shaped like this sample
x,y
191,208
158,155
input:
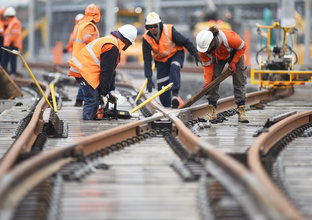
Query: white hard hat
x,y
10,11
78,17
152,18
128,31
203,40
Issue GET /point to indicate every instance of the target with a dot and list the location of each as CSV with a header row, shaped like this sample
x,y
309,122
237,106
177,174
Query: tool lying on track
x,y
164,89
17,53
226,73
104,112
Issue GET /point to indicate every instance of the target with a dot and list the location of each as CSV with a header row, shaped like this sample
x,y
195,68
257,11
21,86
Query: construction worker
x,y
216,48
85,32
12,39
167,46
69,45
2,25
96,63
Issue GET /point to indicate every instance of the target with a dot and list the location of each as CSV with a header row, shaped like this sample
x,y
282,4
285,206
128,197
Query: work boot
x,y
175,102
242,117
211,114
78,103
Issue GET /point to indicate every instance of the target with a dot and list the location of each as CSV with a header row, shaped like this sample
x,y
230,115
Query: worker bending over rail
x,y
12,39
85,32
96,63
216,48
168,49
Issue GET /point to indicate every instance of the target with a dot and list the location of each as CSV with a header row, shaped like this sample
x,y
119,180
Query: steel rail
x,y
263,144
232,167
92,143
29,135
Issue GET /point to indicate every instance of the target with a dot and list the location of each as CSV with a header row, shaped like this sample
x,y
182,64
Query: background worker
x,y
97,63
216,48
167,46
69,45
12,39
85,32
2,25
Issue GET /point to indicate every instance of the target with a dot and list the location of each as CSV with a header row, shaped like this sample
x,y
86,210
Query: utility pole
x,y
31,32
110,16
307,32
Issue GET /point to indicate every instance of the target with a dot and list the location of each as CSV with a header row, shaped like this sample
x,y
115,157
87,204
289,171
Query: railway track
x,y
169,165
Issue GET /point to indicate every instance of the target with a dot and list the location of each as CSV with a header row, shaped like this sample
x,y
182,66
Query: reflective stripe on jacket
x,y
229,41
13,34
166,47
87,62
78,39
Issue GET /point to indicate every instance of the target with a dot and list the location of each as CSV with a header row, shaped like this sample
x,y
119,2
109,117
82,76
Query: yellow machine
x,y
277,70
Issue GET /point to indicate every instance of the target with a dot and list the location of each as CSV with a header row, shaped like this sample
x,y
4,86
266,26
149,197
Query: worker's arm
x,y
108,64
69,45
147,57
208,67
89,34
180,40
239,45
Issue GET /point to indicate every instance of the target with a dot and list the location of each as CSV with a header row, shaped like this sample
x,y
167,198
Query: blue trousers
x,y
7,58
79,93
169,72
91,100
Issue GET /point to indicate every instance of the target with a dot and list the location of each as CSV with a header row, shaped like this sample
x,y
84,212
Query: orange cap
x,y
92,10
92,13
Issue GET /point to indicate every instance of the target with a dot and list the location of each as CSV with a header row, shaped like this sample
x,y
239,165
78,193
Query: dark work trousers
x,y
9,58
91,100
239,81
1,50
169,72
79,93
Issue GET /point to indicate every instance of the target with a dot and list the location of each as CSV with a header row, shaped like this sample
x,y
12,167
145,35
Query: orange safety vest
x,y
13,34
1,28
229,41
78,42
87,62
166,47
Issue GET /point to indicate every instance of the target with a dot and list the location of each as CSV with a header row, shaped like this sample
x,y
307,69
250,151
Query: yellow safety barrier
x,y
164,89
15,52
293,77
53,96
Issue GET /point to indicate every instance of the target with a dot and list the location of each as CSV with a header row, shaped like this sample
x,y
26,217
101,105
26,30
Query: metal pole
x,y
48,13
31,33
110,16
307,32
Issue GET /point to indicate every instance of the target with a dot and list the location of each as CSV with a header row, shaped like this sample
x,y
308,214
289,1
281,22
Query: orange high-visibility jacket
x,y
81,37
13,34
87,62
229,41
1,27
166,47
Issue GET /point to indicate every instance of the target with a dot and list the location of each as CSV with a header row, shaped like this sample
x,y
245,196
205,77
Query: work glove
x,y
112,98
64,50
197,59
233,67
150,85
